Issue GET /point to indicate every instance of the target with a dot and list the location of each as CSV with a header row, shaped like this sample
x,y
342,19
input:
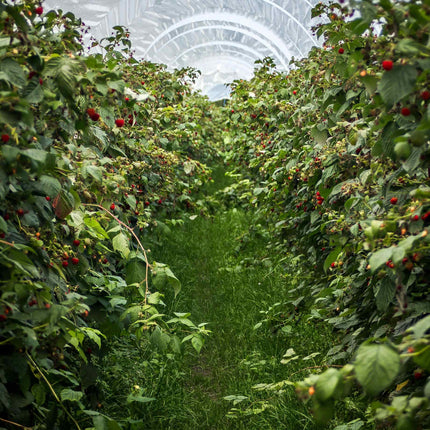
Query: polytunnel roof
x,y
221,38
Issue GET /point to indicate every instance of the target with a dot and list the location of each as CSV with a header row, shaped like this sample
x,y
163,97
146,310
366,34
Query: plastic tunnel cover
x,y
221,38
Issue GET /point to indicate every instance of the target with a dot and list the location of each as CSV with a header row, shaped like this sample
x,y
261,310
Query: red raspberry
x,y
341,51
387,65
425,95
405,111
393,200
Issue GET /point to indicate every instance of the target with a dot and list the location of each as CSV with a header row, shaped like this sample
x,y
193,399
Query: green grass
x,y
227,287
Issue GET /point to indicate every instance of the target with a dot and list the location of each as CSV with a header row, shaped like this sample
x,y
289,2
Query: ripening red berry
x,y
112,207
418,374
75,261
91,111
20,212
47,305
119,122
5,138
341,51
232,111
393,200
38,10
105,260
416,217
3,318
405,111
425,95
65,263
40,81
387,65
76,242
47,198
294,92
127,99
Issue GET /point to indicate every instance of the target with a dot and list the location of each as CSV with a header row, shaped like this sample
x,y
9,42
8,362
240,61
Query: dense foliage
x,y
335,158
101,154
98,152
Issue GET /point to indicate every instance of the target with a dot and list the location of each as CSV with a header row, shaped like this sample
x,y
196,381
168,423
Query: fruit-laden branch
x,y
137,240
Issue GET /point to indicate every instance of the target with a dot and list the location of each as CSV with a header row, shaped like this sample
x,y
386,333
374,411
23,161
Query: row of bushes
x,y
99,153
334,157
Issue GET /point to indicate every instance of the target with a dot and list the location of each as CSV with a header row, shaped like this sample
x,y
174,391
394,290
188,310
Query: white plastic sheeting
x,y
221,38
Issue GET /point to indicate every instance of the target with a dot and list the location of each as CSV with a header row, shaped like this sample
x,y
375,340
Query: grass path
x,y
227,287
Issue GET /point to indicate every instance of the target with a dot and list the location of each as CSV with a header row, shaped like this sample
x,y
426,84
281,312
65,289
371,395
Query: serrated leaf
x,y
397,83
64,70
33,92
72,396
13,72
384,293
49,186
380,257
376,367
120,243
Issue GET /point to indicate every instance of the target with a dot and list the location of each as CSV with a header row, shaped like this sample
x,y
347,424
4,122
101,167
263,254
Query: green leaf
x,y
376,367
163,275
328,384
21,261
139,399
397,83
410,47
35,154
13,72
421,327
120,243
380,257
197,343
64,70
69,394
33,92
96,228
135,272
3,225
159,339
384,293
332,257
48,186
94,171
102,422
